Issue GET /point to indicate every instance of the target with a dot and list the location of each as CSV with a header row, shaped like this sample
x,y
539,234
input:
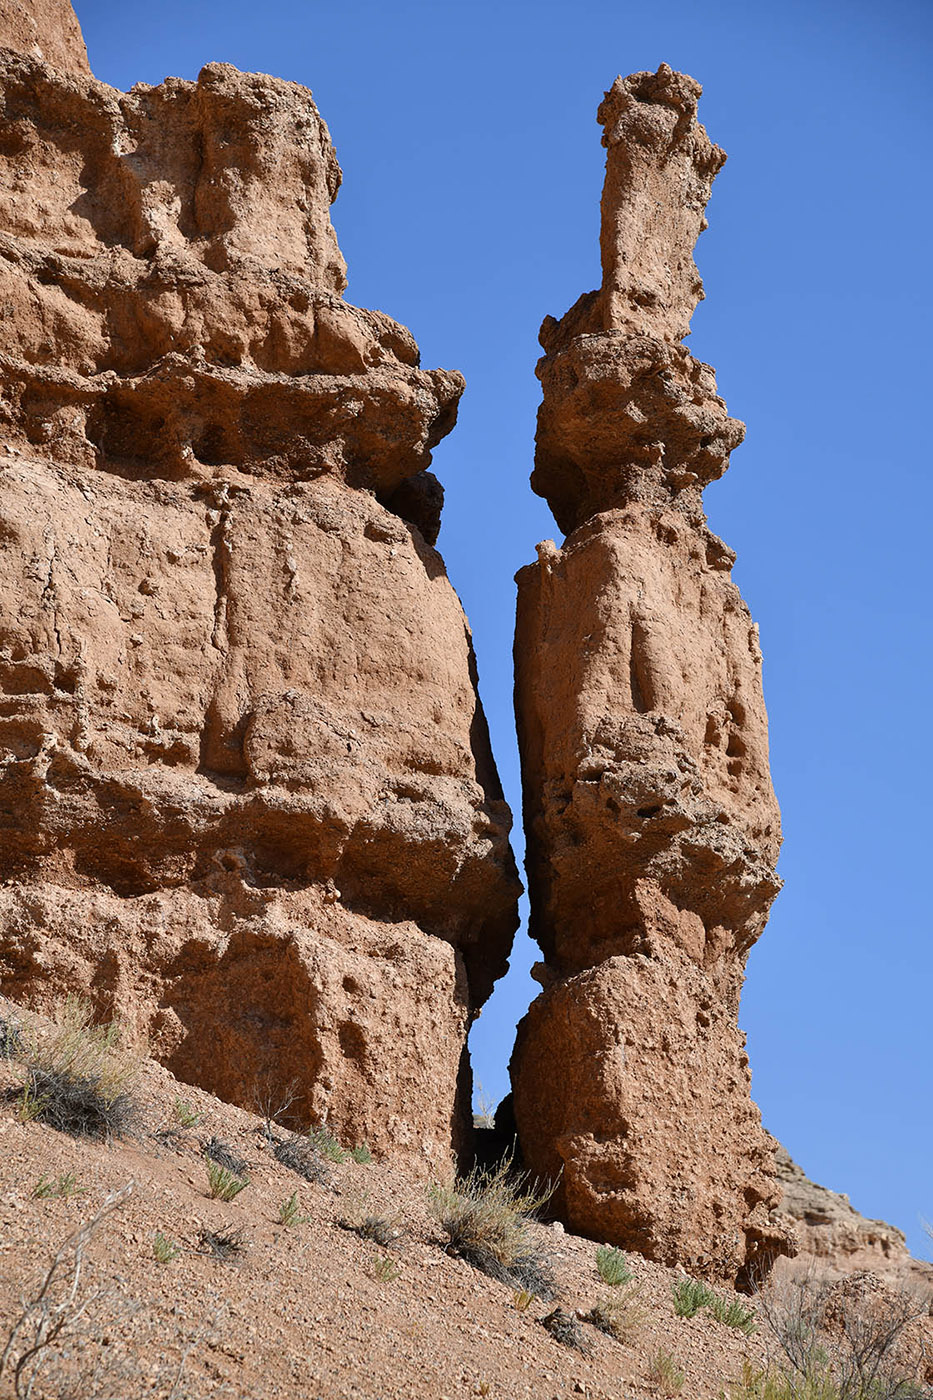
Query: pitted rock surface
x,y
651,821
247,794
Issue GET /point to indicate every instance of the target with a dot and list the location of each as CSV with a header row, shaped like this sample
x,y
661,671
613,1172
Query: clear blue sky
x,y
472,167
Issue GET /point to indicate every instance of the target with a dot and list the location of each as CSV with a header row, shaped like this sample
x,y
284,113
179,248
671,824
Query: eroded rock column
x,y
651,822
246,792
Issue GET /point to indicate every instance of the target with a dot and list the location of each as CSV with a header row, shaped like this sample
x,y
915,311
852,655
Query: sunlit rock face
x,y
651,822
247,795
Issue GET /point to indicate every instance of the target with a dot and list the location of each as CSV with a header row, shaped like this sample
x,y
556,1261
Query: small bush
x,y
226,1245
384,1268
290,1212
732,1313
361,1154
488,1217
63,1186
666,1374
690,1295
218,1151
326,1145
298,1154
164,1250
77,1079
612,1266
11,1040
185,1116
836,1341
620,1314
565,1328
223,1184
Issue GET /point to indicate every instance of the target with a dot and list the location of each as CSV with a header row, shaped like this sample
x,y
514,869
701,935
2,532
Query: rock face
x,y
246,790
651,822
835,1239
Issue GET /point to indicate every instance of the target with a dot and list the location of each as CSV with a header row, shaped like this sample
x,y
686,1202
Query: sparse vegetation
x,y
488,1217
226,1245
620,1314
50,1322
565,1328
612,1266
732,1313
665,1373
290,1212
326,1145
384,1268
299,1155
78,1080
164,1250
186,1116
834,1343
64,1185
224,1185
11,1040
216,1150
522,1299
361,1154
690,1295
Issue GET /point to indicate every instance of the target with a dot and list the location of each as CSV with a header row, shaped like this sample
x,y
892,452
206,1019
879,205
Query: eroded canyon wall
x,y
651,822
246,791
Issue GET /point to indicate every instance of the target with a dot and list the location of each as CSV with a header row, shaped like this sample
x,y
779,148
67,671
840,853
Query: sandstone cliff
x,y
651,822
246,791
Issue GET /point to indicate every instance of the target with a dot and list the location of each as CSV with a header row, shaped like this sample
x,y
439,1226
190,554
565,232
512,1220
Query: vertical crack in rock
x,y
247,799
651,822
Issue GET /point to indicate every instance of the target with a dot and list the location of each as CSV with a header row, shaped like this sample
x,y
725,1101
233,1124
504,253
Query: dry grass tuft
x,y
488,1217
78,1078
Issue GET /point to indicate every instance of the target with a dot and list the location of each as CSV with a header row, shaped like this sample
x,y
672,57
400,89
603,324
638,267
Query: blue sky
x,y
470,209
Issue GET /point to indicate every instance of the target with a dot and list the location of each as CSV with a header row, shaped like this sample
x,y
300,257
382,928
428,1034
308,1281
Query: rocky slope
x,y
651,822
306,1309
835,1239
247,795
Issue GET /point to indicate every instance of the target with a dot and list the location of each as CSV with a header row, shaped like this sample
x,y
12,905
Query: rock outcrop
x,y
836,1240
651,821
246,791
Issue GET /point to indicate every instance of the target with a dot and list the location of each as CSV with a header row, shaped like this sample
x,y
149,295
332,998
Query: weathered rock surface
x,y
835,1239
651,821
246,793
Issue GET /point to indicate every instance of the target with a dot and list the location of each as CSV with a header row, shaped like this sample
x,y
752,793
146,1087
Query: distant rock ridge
x,y
651,822
834,1238
247,796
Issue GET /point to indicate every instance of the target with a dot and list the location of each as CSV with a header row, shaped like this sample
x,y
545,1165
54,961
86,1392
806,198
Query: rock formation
x,y
836,1240
651,822
246,792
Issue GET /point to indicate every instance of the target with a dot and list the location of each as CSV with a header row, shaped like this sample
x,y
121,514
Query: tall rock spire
x,y
247,798
44,29
651,821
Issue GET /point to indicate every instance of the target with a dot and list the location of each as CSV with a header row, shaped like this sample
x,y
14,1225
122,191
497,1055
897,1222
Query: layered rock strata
x,y
651,822
246,791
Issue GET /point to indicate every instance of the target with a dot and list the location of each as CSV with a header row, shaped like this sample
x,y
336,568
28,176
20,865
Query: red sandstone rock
x,y
651,822
44,29
247,795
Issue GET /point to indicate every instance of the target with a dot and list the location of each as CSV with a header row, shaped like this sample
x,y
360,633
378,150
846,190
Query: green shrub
x,y
64,1186
290,1212
384,1268
690,1295
164,1250
223,1184
185,1115
732,1313
361,1154
612,1266
665,1372
326,1145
